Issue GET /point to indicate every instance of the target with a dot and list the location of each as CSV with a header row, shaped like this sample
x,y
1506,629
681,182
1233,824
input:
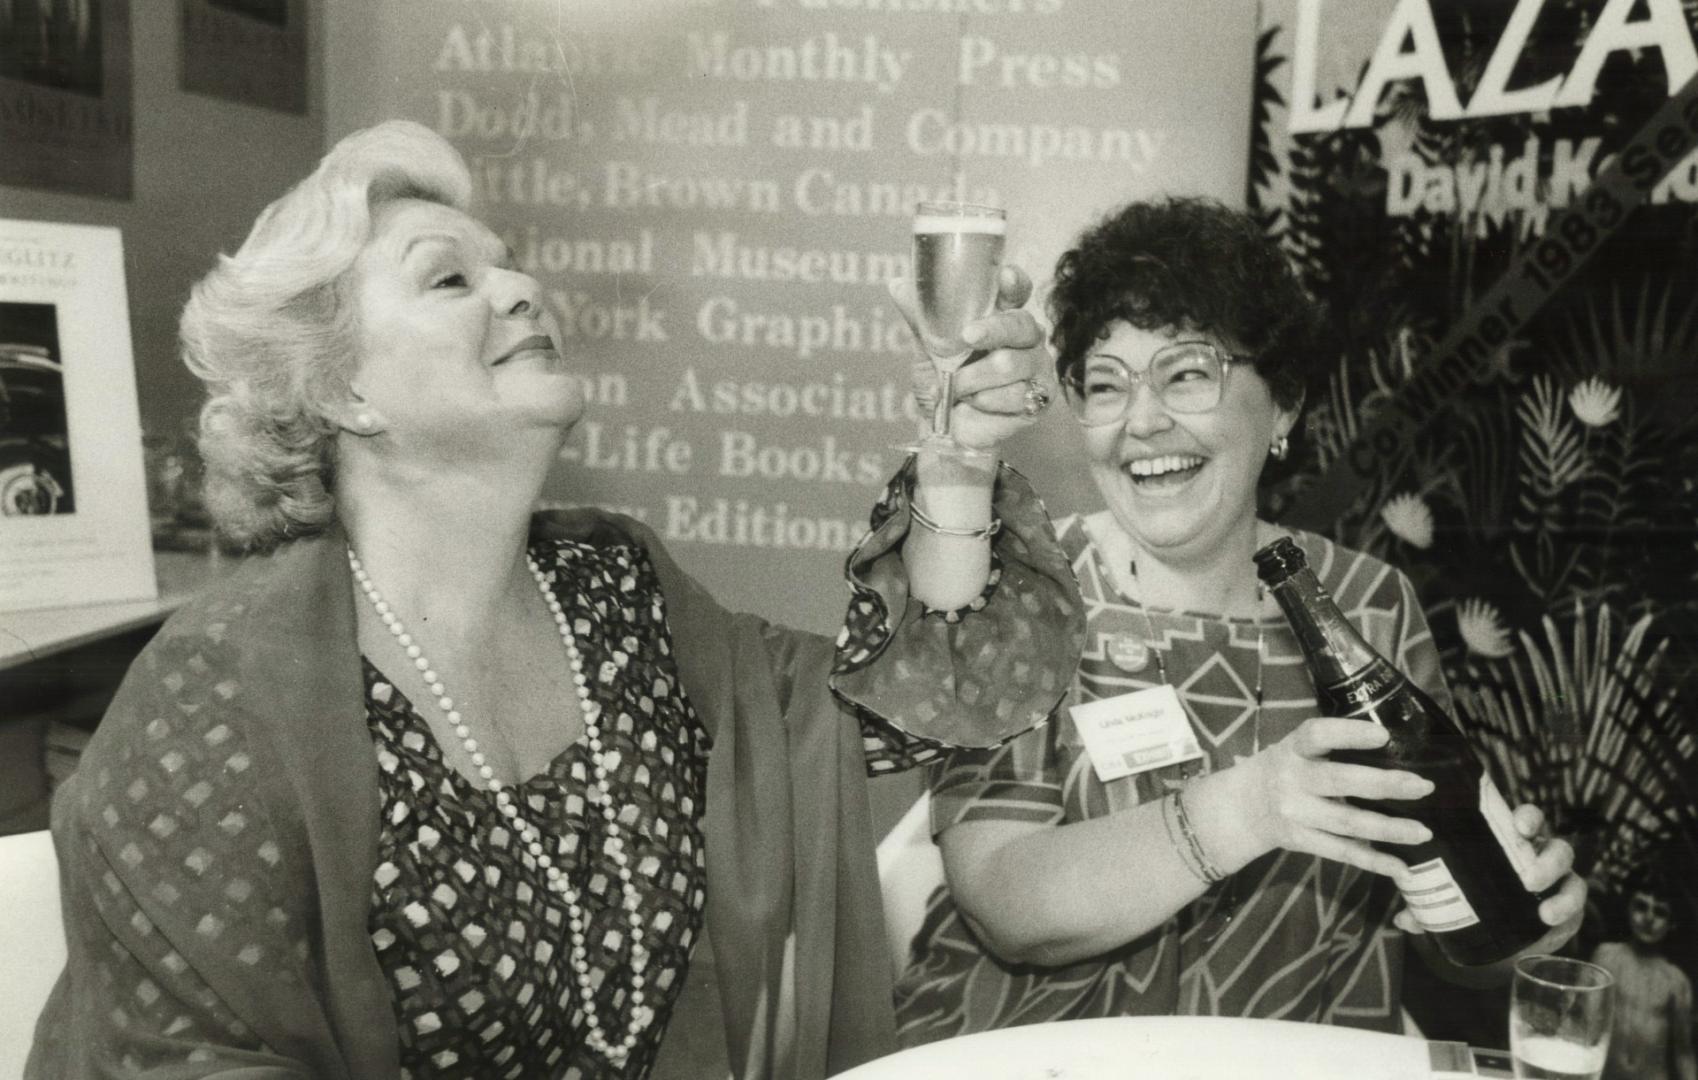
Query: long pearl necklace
x,y
599,795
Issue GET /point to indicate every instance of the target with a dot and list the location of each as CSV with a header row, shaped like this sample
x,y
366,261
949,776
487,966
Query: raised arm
x,y
997,395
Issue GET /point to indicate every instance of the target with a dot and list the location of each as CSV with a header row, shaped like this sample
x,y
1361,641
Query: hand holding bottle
x,y
1293,796
1470,885
1552,871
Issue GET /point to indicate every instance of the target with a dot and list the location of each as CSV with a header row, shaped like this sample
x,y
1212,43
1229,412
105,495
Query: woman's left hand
x,y
1552,868
1003,387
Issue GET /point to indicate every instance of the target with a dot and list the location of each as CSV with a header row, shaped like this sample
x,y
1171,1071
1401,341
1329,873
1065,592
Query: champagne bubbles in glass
x,y
957,257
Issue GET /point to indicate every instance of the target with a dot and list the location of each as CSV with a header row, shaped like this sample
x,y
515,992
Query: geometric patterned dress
x,y
1290,936
473,941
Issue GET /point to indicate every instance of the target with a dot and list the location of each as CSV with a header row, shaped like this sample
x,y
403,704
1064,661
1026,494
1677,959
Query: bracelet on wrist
x,y
982,533
1210,872
1179,848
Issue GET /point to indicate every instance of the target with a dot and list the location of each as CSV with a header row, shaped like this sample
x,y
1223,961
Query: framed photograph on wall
x,y
73,500
251,51
65,98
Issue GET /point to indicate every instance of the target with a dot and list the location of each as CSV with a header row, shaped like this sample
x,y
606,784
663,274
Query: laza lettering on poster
x,y
1663,30
1381,448
741,523
823,57
721,320
725,254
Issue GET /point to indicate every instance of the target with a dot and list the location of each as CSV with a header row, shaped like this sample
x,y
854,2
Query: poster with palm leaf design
x,y
1497,201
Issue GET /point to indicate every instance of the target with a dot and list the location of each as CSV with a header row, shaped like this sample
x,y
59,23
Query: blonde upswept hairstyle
x,y
270,331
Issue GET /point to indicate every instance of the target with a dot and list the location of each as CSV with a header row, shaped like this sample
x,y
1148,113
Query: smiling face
x,y
1183,484
456,352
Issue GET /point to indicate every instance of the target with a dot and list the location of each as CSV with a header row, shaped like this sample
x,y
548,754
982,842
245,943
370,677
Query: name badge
x,y
1136,732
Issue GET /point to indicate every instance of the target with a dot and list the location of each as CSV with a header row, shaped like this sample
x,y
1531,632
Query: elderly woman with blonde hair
x,y
440,786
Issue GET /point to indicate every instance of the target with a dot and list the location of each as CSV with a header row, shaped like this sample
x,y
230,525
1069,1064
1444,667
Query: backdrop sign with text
x,y
1496,203
715,194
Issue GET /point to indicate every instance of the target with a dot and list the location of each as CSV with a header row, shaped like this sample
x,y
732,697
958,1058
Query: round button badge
x,y
1128,653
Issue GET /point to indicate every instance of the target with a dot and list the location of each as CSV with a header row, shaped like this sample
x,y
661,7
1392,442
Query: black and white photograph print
x,y
54,43
35,453
251,51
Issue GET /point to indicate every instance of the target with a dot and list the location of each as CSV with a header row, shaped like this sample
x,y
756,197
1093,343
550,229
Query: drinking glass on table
x,y
1560,1012
957,256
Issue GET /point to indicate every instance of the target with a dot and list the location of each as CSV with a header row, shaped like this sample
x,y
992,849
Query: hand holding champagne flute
x,y
957,255
961,303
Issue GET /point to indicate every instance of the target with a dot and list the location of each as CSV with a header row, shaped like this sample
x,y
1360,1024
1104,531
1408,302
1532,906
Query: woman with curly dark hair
x,y
1178,841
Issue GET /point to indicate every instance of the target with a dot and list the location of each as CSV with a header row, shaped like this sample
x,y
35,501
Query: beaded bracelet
x,y
1211,873
983,533
1178,848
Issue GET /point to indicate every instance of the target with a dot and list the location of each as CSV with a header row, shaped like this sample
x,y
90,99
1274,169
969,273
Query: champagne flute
x,y
1560,1013
957,257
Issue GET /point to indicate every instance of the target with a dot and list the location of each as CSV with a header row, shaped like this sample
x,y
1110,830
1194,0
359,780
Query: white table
x,y
1170,1048
26,636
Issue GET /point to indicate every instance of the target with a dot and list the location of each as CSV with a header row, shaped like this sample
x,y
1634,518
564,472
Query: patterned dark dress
x,y
465,928
1291,936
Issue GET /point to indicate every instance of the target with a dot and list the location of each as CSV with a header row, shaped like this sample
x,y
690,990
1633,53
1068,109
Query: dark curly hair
x,y
1192,264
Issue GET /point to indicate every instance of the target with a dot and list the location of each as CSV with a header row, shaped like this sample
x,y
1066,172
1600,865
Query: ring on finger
x,y
1037,399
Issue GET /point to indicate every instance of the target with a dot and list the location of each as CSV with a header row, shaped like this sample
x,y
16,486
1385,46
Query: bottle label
x,y
1498,815
1435,899
1368,686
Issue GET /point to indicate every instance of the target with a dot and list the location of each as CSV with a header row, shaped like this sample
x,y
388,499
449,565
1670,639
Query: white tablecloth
x,y
1169,1048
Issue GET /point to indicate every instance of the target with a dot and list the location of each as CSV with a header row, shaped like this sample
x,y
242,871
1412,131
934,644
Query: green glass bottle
x,y
1463,885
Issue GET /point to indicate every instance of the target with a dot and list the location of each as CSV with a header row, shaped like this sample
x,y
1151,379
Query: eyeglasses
x,y
1186,377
